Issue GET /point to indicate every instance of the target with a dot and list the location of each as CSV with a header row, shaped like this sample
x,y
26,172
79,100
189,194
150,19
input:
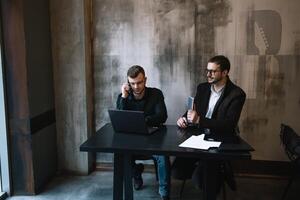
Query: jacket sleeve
x,y
121,102
159,115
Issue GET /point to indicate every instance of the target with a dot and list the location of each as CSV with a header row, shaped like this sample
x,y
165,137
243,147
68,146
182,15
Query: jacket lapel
x,y
205,100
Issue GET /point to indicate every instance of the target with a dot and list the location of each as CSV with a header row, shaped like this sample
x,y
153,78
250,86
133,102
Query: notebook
x,y
128,121
190,103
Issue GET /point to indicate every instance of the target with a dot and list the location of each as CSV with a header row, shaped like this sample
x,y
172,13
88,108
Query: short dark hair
x,y
134,71
222,61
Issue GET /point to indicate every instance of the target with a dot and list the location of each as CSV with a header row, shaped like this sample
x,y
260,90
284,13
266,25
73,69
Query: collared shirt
x,y
213,99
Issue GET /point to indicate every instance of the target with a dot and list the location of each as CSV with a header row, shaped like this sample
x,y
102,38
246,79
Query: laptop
x,y
128,121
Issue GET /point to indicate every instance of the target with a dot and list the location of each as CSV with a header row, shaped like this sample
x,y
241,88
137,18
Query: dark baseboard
x,y
262,167
109,167
257,168
66,172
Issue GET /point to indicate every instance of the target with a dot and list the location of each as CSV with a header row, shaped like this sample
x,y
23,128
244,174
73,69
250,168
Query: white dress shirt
x,y
214,97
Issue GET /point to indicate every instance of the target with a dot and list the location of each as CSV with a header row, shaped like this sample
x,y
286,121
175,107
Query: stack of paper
x,y
198,142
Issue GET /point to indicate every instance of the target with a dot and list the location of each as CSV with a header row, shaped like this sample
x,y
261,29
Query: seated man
x,y
136,96
217,108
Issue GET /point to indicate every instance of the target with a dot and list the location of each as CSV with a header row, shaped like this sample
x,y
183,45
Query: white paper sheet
x,y
198,142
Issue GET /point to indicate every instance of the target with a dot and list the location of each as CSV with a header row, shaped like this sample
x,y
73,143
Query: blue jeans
x,y
163,171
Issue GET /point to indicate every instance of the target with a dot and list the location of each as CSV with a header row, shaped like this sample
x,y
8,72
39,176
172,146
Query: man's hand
x,y
182,122
125,90
193,117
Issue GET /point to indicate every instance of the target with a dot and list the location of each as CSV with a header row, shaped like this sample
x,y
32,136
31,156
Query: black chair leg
x,y
182,187
287,187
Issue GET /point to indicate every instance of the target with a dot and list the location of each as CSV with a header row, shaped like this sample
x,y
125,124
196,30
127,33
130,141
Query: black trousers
x,y
188,168
192,168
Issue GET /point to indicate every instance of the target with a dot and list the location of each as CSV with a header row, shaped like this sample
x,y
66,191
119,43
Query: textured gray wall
x,y
173,40
68,44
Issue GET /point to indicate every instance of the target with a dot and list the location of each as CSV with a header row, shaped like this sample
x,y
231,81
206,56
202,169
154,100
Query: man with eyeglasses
x,y
217,107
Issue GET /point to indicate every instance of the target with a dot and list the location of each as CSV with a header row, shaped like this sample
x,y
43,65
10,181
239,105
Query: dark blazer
x,y
227,111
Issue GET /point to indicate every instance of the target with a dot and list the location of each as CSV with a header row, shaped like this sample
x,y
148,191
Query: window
x,y
4,170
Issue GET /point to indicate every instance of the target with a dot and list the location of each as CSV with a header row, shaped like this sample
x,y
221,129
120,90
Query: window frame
x,y
4,156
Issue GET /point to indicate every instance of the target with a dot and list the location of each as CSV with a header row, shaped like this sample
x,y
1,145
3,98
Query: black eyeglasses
x,y
210,71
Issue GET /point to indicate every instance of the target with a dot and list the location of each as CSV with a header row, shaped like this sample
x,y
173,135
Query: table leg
x,y
118,177
210,179
128,177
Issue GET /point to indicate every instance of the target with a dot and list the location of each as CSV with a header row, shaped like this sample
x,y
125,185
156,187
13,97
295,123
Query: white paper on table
x,y
198,142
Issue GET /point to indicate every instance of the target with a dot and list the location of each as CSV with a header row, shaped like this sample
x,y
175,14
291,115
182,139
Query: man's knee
x,y
162,160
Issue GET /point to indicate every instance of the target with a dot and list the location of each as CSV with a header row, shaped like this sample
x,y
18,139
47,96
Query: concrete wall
x,y
72,91
173,40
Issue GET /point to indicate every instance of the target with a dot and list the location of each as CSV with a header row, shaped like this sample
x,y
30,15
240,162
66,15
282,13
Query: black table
x,y
163,142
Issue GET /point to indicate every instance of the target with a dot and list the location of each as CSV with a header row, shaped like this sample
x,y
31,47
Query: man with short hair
x,y
217,107
136,96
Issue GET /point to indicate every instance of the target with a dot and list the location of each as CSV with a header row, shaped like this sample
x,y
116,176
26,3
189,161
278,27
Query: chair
x,y
225,175
290,140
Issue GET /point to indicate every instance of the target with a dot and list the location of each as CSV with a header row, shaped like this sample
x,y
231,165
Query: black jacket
x,y
227,110
152,104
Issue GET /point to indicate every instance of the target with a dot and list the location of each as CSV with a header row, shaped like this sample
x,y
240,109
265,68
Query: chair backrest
x,y
291,142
